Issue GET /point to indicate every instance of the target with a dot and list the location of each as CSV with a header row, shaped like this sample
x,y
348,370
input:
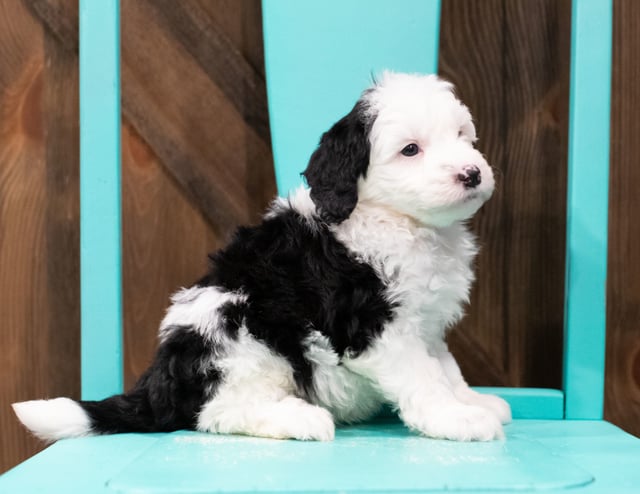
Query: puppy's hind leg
x,y
257,397
287,418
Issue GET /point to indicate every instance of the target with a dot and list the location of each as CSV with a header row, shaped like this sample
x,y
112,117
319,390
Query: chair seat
x,y
552,455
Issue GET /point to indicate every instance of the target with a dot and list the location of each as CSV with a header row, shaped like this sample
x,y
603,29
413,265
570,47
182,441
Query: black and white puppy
x,y
338,302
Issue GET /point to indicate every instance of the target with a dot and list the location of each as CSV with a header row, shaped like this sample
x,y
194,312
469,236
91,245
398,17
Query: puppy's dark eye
x,y
410,150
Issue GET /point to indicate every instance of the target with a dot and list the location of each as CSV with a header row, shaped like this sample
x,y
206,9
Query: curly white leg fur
x,y
418,384
454,421
499,407
257,397
289,418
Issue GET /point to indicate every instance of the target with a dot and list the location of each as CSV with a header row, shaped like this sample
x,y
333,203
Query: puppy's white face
x,y
422,161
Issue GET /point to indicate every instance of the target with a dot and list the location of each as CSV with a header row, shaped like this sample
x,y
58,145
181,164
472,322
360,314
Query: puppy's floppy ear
x,y
334,168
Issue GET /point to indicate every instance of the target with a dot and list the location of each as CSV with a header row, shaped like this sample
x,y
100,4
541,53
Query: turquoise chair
x,y
558,439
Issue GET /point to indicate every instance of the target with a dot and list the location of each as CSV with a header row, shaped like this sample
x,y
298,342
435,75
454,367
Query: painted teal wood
x,y
385,457
319,56
587,209
591,457
100,242
531,403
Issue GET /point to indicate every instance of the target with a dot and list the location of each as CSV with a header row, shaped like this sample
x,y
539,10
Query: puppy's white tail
x,y
55,419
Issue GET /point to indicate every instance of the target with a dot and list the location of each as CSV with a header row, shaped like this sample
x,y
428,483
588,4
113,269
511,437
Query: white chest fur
x,y
427,270
428,275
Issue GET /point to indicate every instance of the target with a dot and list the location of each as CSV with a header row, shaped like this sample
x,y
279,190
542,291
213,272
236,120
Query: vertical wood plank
x,y
622,376
39,279
508,61
62,218
23,296
471,56
536,85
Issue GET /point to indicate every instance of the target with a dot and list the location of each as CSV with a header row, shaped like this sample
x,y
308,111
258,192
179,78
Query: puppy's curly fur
x,y
338,302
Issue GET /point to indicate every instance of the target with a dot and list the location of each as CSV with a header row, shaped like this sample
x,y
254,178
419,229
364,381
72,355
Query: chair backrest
x,y
319,55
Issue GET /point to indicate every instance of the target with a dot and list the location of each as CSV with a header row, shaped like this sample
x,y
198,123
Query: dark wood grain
x,y
186,118
165,241
509,63
622,391
181,112
59,18
241,22
537,91
22,205
39,291
220,58
480,343
60,114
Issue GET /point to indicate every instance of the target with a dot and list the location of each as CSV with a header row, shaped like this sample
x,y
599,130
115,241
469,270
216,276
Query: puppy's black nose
x,y
471,176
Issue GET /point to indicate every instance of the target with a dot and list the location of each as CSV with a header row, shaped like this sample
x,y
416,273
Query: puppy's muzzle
x,y
470,177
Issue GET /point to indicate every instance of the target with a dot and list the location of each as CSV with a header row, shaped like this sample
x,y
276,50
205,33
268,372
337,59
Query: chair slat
x,y
587,209
100,234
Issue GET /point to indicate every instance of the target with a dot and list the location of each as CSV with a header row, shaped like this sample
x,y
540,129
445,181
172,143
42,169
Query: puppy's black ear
x,y
334,168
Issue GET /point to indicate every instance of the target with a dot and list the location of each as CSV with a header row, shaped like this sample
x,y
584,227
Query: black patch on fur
x,y
334,168
233,316
169,394
297,279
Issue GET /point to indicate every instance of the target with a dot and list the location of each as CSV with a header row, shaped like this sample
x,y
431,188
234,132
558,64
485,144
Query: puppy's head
x,y
407,145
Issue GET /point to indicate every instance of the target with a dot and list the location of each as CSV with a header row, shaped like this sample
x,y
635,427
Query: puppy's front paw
x,y
457,422
494,403
312,423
